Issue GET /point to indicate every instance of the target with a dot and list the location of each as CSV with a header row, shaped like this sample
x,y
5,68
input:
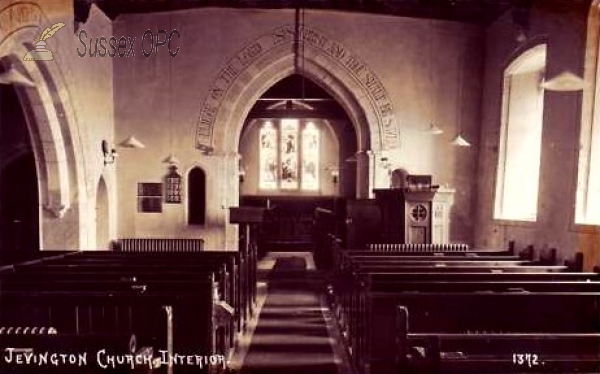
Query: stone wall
x,y
393,76
565,33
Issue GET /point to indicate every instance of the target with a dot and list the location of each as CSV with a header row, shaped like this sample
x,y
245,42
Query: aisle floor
x,y
293,331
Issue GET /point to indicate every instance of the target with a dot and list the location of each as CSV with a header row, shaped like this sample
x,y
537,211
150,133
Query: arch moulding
x,y
272,57
52,126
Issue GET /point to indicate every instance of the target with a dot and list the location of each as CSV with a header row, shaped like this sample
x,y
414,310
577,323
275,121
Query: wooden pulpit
x,y
406,213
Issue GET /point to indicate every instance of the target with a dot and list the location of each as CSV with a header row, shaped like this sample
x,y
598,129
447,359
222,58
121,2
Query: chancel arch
x,y
237,111
339,71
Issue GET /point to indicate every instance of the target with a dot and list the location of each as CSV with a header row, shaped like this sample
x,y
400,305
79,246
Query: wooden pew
x,y
367,282
494,352
181,322
242,282
245,263
476,311
136,275
101,281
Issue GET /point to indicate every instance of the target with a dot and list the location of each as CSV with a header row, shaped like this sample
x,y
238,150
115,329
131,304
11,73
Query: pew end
x,y
575,264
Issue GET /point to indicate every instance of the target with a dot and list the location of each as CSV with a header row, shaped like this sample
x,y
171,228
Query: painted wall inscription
x,y
317,41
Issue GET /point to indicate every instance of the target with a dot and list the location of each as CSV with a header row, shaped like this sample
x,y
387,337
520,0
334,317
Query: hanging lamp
x,y
13,76
131,142
564,82
459,140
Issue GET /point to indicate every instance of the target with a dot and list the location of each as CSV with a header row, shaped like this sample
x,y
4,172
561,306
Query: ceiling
x,y
481,12
473,11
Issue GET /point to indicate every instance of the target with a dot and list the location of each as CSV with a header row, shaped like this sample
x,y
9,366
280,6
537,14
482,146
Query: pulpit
x,y
406,213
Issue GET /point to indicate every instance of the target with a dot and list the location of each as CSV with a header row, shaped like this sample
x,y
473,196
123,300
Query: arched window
x,y
289,151
588,176
196,197
518,170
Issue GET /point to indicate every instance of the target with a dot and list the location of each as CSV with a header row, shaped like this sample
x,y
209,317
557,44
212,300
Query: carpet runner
x,y
291,336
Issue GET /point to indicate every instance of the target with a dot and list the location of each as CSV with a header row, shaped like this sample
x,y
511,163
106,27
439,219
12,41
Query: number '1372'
x,y
529,359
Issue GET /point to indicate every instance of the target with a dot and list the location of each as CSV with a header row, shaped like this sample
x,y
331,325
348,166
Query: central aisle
x,y
294,333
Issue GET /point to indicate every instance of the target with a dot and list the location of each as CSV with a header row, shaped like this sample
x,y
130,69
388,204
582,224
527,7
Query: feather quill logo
x,y
41,53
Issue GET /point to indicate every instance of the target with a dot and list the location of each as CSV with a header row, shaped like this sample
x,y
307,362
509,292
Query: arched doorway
x,y
196,197
102,216
19,196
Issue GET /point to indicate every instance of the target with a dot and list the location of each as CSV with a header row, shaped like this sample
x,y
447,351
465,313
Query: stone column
x,y
364,174
231,191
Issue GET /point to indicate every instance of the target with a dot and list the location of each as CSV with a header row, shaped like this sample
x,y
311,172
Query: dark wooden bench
x,y
132,276
181,322
488,352
58,295
245,259
544,350
437,287
464,312
241,271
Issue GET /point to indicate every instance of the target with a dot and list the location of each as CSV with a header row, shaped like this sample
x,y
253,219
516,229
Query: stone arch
x,y
367,136
271,58
56,142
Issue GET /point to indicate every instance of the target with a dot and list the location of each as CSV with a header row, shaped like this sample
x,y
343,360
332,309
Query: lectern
x,y
406,213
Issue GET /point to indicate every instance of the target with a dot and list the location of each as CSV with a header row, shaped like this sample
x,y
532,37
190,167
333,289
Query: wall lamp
x,y
334,171
335,175
109,153
241,174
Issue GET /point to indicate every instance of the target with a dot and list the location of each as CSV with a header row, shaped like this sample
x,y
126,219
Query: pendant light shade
x,y
564,82
171,160
434,129
132,142
13,76
459,141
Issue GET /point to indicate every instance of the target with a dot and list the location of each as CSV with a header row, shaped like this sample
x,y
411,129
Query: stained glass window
x,y
268,157
310,157
289,155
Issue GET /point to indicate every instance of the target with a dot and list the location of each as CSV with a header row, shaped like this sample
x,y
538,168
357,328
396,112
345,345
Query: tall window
x,y
289,155
587,205
518,172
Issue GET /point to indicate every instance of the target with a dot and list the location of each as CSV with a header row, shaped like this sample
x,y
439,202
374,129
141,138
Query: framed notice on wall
x,y
149,197
173,186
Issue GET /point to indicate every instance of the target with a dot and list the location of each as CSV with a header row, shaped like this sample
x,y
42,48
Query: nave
x,y
423,309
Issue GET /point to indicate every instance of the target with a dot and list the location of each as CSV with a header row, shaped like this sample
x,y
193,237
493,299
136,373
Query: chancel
x,y
361,187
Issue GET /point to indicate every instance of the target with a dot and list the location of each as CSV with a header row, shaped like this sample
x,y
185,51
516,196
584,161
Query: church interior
x,y
300,186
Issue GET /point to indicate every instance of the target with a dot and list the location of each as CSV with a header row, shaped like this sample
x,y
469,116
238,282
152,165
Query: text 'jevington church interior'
x,y
300,186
